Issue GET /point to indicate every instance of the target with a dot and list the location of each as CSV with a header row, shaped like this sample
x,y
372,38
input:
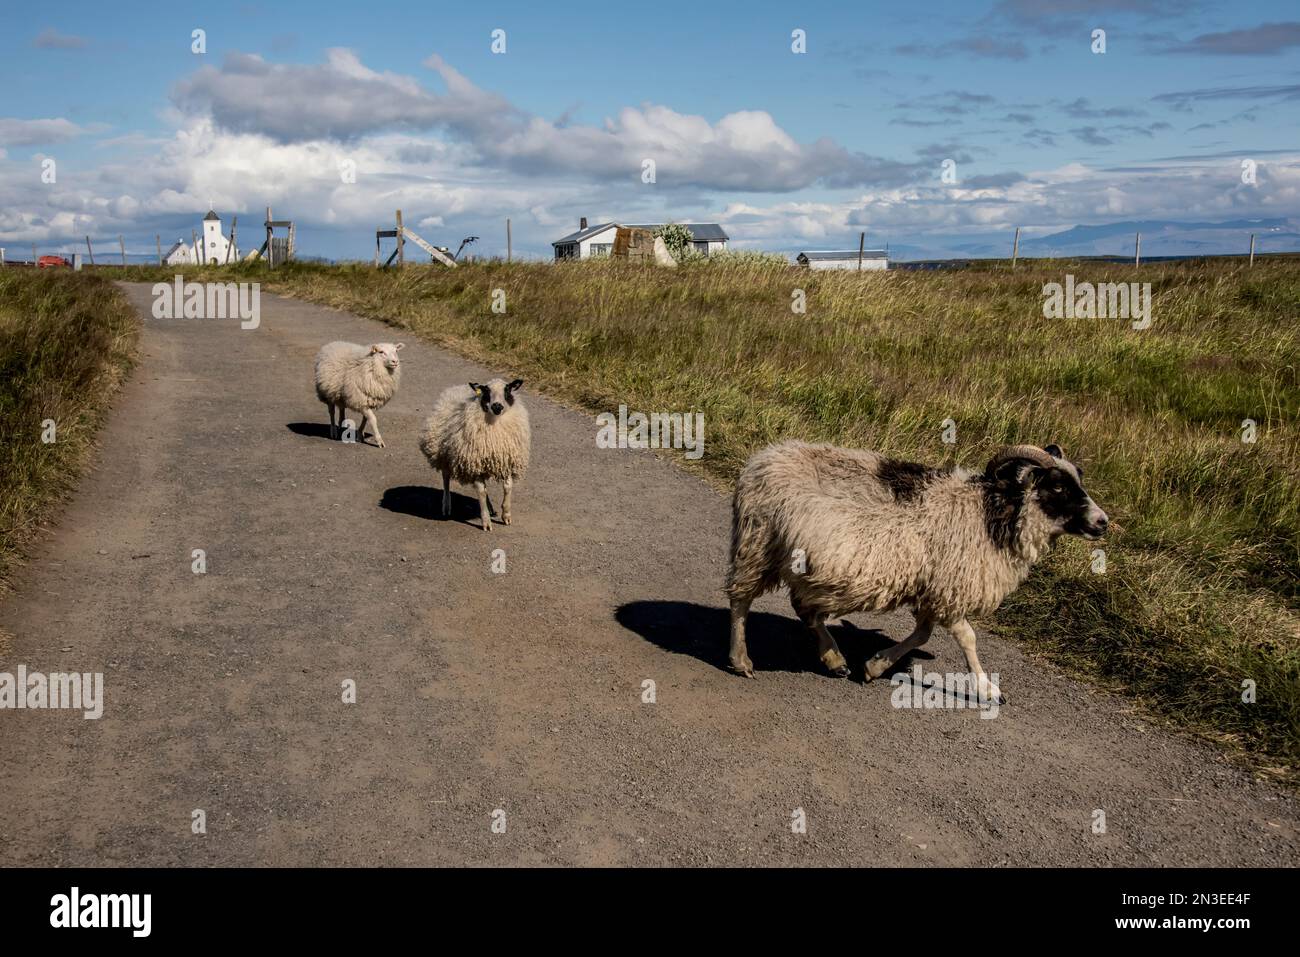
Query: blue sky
x,y
788,150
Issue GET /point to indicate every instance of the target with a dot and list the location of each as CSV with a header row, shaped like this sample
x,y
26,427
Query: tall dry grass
x,y
66,342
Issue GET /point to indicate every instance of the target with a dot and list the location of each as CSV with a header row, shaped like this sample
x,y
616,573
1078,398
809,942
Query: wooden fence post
x,y
1015,248
508,249
90,251
862,243
270,251
1252,249
157,238
121,244
401,255
1137,251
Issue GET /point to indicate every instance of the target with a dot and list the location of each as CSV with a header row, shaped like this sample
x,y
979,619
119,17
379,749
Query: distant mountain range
x,y
1159,238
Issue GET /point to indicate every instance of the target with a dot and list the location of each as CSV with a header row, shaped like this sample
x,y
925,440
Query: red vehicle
x,y
45,262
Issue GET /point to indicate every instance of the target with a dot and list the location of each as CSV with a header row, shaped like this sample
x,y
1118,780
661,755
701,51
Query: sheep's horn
x,y
1029,453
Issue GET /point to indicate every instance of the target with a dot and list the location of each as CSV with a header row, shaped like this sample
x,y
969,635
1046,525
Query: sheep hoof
x,y
835,664
505,519
876,667
744,668
991,693
379,442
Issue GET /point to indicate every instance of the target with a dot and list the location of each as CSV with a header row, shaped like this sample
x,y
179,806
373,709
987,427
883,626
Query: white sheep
x,y
363,378
852,531
476,436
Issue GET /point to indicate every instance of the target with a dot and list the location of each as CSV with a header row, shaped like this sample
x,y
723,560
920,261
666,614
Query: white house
x,y
598,240
844,259
587,242
212,249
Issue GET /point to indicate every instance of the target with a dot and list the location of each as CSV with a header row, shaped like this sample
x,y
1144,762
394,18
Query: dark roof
x,y
824,254
582,234
700,232
211,215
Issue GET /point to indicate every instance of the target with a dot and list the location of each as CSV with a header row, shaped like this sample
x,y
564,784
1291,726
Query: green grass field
x,y
1199,596
66,342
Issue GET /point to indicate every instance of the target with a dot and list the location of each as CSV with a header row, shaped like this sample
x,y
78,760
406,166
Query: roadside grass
x,y
1200,597
66,342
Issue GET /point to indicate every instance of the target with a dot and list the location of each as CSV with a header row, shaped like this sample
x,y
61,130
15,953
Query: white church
x,y
213,246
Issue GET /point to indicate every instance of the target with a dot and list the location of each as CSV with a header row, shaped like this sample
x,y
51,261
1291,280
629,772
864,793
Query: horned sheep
x,y
853,531
477,436
362,378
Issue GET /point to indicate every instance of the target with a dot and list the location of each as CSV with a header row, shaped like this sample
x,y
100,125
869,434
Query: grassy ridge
x,y
66,341
1201,589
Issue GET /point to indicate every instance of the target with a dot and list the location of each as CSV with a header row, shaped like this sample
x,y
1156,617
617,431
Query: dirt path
x,y
518,691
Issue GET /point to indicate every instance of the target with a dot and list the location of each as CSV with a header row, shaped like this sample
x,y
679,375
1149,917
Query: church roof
x,y
211,215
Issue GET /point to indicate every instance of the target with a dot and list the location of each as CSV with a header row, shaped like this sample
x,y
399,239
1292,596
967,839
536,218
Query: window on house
x,y
702,248
602,249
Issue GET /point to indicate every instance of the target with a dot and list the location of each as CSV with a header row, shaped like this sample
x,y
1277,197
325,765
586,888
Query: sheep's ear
x,y
399,347
475,386
1054,451
517,384
1014,470
374,349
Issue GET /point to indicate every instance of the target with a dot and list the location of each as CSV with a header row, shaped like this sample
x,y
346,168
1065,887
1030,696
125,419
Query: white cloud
x,y
17,132
343,100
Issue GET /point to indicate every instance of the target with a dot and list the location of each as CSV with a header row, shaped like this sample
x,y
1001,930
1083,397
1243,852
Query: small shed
x,y
844,259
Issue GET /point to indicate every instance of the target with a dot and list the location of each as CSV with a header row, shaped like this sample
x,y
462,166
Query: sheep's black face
x,y
1061,497
496,396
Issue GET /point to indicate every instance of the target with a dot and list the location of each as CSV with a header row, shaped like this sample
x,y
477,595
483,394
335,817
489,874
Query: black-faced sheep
x,y
852,531
362,378
476,436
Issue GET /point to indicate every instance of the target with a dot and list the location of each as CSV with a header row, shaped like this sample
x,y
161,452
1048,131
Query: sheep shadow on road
x,y
312,430
321,430
425,501
776,642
